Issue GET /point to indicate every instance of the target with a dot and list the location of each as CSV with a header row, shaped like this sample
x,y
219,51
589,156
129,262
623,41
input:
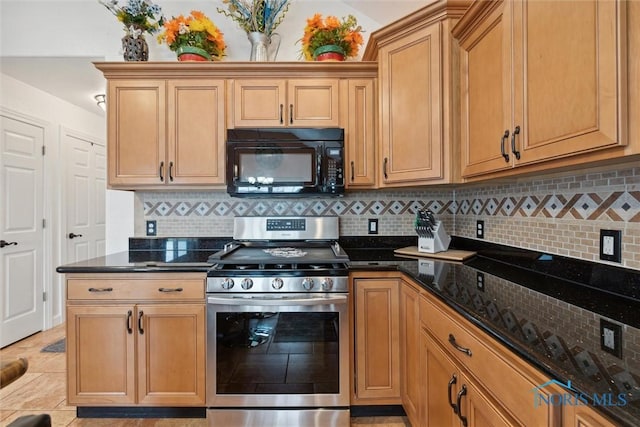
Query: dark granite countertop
x,y
545,308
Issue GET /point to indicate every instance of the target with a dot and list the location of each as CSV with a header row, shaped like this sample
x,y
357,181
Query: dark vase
x,y
135,48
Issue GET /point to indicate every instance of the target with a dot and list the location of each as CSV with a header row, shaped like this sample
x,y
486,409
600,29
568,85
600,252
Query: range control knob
x,y
307,283
246,284
327,284
277,283
227,283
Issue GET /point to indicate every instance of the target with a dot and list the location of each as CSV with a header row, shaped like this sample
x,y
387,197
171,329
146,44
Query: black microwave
x,y
285,162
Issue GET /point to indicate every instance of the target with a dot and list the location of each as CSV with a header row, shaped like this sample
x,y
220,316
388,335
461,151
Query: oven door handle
x,y
251,300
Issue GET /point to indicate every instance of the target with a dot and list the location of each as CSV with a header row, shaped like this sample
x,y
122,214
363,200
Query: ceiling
x,y
76,80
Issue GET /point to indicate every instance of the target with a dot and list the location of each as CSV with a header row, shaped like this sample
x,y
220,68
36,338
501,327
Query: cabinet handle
x,y
353,171
452,341
502,151
140,329
384,167
100,289
462,392
290,114
169,289
452,381
171,171
515,152
281,118
161,171
129,319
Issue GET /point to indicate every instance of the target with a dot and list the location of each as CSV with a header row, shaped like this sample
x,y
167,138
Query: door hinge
x,y
43,150
44,223
44,296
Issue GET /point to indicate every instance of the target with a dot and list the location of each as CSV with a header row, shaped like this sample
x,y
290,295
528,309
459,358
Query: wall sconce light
x,y
101,100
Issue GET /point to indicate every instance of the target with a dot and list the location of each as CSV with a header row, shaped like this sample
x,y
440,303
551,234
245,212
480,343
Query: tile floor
x,y
42,390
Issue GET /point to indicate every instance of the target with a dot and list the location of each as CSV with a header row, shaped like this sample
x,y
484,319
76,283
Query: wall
x,y
560,214
211,214
27,103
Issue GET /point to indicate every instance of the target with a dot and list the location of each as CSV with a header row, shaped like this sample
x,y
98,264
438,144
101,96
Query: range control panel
x,y
289,224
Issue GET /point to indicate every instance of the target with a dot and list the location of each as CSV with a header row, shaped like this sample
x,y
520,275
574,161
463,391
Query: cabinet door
x,y
136,132
360,139
100,355
410,351
478,409
196,132
259,103
313,103
377,339
440,380
171,354
567,77
411,107
583,416
486,88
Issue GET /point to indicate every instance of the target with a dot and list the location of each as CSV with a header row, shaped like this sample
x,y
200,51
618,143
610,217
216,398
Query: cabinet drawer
x,y
162,289
503,374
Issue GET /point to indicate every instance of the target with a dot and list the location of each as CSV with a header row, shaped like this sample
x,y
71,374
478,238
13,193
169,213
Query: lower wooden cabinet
x,y
451,398
469,380
376,341
584,416
150,353
410,351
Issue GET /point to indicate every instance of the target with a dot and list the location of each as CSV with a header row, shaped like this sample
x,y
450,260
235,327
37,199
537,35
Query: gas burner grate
x,y
285,252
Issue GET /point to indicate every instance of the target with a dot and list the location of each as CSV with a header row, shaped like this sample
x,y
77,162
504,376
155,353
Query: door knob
x,y
4,243
73,235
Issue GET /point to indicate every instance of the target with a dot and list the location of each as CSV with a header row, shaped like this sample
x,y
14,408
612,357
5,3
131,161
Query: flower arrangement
x,y
195,30
261,16
138,16
345,34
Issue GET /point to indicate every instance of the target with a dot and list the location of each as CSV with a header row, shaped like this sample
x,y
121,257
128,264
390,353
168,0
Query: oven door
x,y
277,350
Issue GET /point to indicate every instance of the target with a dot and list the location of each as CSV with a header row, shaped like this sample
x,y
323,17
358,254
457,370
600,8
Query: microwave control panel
x,y
334,167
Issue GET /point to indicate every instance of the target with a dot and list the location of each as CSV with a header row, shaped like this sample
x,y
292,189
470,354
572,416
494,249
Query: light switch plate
x,y
611,245
373,225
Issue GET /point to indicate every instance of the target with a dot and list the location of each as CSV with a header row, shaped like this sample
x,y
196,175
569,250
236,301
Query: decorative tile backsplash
x,y
561,214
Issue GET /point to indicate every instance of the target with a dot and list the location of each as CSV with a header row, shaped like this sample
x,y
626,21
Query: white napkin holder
x,y
438,243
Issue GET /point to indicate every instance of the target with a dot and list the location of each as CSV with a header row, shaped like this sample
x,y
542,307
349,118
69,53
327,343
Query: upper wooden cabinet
x,y
167,121
165,132
358,112
291,103
541,81
417,75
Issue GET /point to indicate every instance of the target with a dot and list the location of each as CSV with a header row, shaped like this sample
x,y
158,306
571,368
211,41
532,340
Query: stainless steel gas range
x,y
277,325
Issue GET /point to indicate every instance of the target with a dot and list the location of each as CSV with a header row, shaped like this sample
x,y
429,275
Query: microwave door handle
x,y
319,175
235,172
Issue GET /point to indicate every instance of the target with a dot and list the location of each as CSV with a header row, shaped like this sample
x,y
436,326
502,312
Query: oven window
x,y
283,353
292,166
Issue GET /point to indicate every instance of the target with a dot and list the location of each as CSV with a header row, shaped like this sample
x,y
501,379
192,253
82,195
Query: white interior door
x,y
85,193
21,229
